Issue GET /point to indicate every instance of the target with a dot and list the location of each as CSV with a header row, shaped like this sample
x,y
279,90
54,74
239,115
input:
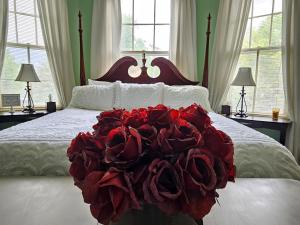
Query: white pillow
x,y
96,97
97,82
183,96
131,96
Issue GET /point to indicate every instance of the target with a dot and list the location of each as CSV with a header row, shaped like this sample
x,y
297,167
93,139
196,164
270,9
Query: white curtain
x,y
291,70
230,29
55,27
106,35
183,37
3,30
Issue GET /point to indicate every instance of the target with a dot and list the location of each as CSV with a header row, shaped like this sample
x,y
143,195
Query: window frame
x,y
153,52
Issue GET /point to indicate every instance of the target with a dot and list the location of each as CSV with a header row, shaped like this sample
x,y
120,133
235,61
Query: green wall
x,y
86,8
203,8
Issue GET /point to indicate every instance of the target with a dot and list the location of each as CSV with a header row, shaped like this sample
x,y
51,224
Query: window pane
x,y
269,85
246,41
26,29
40,34
126,38
144,11
261,32
13,58
163,8
276,30
143,37
41,90
11,35
247,59
162,34
11,5
25,6
278,6
40,61
262,7
126,6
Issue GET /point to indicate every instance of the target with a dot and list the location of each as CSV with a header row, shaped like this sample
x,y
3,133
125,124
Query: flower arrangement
x,y
173,159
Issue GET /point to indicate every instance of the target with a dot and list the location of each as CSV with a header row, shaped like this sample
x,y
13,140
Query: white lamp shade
x,y
244,77
27,73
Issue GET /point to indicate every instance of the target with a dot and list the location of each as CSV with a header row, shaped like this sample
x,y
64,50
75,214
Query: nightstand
x,y
8,119
280,125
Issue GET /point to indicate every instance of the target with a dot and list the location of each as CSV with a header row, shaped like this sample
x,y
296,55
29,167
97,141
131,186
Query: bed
x,y
42,151
39,147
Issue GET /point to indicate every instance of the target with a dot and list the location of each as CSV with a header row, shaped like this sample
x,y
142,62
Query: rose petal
x,y
199,206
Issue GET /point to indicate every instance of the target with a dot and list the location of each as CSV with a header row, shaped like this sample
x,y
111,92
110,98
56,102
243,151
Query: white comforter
x,y
39,147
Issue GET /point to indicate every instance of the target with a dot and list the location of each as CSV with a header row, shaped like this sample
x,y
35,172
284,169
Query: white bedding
x,y
38,147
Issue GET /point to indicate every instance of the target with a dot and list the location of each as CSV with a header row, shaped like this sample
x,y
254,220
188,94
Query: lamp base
x,y
241,114
30,106
28,110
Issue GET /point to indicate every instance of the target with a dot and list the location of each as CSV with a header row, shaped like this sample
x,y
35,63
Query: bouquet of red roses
x,y
174,159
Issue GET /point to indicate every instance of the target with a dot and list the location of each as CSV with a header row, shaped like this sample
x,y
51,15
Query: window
x,y
145,27
24,29
262,52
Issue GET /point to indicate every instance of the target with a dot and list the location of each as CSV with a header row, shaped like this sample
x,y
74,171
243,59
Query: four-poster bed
x,y
42,150
169,74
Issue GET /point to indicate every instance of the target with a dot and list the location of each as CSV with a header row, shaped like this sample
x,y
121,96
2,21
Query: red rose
x,y
149,136
160,116
196,199
198,171
221,146
86,154
163,186
137,177
124,146
221,173
108,120
180,137
135,118
110,195
199,205
196,115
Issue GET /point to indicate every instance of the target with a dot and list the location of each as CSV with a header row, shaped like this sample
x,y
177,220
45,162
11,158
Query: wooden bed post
x,y
82,67
205,68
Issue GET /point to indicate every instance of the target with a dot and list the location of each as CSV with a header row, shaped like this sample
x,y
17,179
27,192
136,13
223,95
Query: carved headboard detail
x,y
169,74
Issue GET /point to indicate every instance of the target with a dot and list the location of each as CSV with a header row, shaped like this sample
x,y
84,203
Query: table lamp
x,y
27,73
243,78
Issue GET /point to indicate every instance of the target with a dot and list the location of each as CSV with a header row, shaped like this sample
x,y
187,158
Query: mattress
x,y
38,147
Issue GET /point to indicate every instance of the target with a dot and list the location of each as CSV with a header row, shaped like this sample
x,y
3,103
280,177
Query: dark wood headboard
x,y
169,74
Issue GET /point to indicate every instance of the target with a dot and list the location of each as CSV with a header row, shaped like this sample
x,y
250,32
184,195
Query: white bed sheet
x,y
38,147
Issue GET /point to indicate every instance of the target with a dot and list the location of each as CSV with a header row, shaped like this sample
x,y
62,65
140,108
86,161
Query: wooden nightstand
x,y
9,119
265,122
